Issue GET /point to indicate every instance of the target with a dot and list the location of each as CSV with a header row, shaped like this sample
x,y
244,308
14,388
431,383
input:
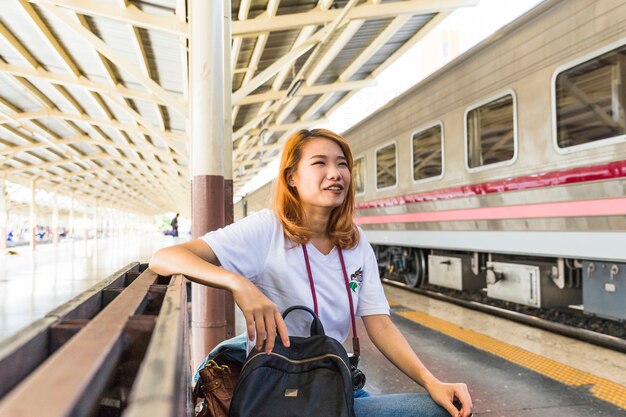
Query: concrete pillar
x,y
71,220
228,156
55,220
4,213
206,74
33,215
94,224
85,222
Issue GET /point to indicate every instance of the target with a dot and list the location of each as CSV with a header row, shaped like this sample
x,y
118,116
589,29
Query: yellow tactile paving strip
x,y
601,388
393,303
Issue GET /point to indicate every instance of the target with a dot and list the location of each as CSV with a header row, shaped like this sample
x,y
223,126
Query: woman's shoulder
x,y
363,244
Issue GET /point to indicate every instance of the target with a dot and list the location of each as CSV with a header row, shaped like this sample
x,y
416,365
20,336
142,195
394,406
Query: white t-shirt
x,y
256,248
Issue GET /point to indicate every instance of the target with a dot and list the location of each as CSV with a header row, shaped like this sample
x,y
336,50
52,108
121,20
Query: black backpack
x,y
310,378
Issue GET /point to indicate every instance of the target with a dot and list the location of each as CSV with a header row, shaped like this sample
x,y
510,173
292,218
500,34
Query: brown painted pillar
x,y
229,301
206,75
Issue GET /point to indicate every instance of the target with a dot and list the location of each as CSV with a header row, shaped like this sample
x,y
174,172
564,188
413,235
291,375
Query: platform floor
x,y
512,370
33,283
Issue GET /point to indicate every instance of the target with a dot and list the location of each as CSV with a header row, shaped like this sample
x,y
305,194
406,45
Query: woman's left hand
x,y
444,394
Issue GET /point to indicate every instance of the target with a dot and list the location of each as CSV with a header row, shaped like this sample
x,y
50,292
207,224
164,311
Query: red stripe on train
x,y
604,207
611,170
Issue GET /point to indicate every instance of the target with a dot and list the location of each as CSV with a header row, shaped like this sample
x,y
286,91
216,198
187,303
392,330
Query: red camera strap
x,y
355,339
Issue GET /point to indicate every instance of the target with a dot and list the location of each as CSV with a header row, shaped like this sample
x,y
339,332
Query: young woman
x,y
263,263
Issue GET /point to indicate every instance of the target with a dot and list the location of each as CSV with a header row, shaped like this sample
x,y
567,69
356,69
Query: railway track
x,y
594,337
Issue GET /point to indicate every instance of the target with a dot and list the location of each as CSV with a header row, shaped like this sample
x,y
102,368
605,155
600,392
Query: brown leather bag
x,y
214,390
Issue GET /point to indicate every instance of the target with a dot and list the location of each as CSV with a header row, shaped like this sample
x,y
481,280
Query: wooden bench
x,y
119,349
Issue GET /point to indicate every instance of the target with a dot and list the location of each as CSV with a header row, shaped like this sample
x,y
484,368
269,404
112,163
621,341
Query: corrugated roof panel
x,y
257,7
24,29
157,7
329,104
178,123
53,95
303,106
57,127
73,45
246,113
361,40
163,53
295,6
408,30
16,95
85,102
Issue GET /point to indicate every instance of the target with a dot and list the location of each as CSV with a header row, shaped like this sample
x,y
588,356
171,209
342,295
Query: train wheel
x,y
417,274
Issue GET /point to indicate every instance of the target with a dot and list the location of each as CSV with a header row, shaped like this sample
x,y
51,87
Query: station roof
x,y
94,94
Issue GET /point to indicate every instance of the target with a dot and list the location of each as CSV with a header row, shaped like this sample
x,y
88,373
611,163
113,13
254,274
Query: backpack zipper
x,y
327,355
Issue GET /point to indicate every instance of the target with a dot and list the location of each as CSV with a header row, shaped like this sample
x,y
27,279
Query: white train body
x,y
518,172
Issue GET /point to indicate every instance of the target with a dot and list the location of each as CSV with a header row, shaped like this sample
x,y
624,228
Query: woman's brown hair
x,y
341,228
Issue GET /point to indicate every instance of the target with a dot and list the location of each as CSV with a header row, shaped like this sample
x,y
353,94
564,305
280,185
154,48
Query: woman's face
x,y
322,177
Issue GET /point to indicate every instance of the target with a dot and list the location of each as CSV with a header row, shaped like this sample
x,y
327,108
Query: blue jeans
x,y
396,405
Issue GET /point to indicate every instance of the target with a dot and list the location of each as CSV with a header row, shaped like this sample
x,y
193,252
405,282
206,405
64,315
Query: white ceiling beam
x,y
8,153
71,66
124,104
140,51
80,81
374,46
323,36
289,127
365,12
101,155
309,91
130,14
283,61
401,51
46,165
50,113
179,148
52,40
156,188
259,47
121,191
174,102
244,9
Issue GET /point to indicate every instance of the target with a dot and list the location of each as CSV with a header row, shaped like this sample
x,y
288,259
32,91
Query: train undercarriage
x,y
596,287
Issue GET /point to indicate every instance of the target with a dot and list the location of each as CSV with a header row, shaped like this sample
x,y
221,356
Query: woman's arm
x,y
391,343
197,261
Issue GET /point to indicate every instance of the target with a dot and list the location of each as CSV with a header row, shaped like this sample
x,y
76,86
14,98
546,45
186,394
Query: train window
x,y
427,153
491,131
386,175
358,175
590,100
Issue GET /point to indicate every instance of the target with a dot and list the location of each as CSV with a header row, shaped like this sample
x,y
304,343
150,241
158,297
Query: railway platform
x,y
511,369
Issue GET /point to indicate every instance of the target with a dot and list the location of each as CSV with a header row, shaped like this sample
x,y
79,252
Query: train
x,y
505,170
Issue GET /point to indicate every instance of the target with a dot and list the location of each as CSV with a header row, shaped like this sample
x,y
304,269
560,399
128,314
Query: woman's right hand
x,y
261,314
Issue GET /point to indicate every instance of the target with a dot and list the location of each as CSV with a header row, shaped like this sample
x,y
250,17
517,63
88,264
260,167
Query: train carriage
x,y
505,170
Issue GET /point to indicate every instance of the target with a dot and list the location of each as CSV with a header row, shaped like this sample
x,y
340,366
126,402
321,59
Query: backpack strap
x,y
356,348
